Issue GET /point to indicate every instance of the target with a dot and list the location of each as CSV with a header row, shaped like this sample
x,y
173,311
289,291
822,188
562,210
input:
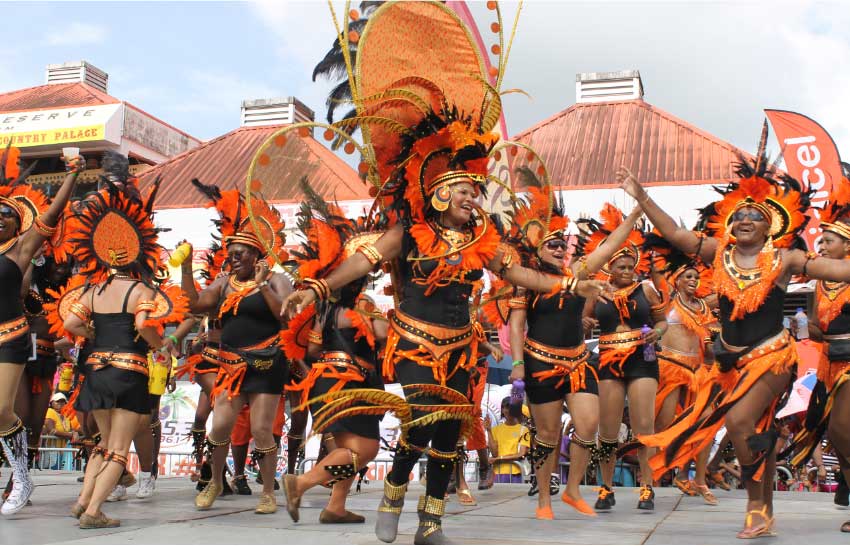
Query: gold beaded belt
x,y
123,361
568,357
621,340
436,339
344,360
13,329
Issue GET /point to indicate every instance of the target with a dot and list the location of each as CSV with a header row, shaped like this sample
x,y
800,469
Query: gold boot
x,y
430,530
206,498
267,504
389,511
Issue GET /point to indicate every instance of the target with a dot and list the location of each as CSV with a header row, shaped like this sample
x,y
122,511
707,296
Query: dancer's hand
x,y
296,302
497,353
629,183
518,372
261,271
590,288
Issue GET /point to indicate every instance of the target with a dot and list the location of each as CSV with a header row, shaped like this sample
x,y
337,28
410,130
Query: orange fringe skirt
x,y
675,370
689,434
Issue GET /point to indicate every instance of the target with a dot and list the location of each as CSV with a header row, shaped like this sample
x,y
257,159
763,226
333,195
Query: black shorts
x,y
548,390
361,425
635,367
270,381
409,372
114,388
16,351
43,366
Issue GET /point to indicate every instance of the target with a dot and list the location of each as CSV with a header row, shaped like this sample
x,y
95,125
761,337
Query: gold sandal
x,y
706,493
763,530
464,496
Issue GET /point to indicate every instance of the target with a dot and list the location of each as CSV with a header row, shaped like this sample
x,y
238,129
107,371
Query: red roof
x,y
224,161
585,144
58,95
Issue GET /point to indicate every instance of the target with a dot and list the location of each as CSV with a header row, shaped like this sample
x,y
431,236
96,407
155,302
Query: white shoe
x,y
147,485
119,493
19,496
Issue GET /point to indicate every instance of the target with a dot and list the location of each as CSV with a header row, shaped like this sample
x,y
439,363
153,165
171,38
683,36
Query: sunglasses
x,y
555,244
7,212
752,215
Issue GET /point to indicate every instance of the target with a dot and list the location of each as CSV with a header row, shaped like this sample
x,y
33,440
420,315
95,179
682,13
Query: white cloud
x,y
76,33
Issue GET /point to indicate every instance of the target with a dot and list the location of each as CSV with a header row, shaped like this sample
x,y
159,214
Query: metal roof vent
x,y
274,111
608,86
78,71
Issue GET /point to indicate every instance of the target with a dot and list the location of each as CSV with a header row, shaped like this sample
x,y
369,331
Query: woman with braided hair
x,y
629,321
23,230
547,341
251,367
751,231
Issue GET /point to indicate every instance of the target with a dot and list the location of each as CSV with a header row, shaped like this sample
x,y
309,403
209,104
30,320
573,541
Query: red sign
x,y
811,157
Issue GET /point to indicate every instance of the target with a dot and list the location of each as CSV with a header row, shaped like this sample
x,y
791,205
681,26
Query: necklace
x,y
240,285
4,247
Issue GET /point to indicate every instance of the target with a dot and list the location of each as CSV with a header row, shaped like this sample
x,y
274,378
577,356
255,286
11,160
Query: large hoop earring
x,y
442,198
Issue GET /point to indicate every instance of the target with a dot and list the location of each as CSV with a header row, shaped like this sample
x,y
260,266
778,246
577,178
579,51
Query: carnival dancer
x,y
117,249
631,322
426,110
750,234
344,335
202,366
23,230
551,357
829,406
685,359
251,366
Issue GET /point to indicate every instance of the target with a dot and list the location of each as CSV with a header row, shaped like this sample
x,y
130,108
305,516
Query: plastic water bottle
x,y
648,348
802,324
518,391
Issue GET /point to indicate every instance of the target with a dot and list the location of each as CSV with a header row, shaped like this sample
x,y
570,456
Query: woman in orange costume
x,y
829,406
117,249
427,109
551,356
251,366
751,231
22,233
685,359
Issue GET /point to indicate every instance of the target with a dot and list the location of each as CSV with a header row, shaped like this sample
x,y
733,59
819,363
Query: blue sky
x,y
713,64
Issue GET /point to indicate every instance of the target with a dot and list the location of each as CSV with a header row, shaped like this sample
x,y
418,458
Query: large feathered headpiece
x,y
779,197
538,217
595,232
835,216
26,202
672,262
115,232
424,103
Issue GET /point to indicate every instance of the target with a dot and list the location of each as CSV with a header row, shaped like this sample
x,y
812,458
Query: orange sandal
x,y
544,513
765,529
579,505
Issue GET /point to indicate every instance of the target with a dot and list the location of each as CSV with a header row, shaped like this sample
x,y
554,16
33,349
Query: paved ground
x,y
504,515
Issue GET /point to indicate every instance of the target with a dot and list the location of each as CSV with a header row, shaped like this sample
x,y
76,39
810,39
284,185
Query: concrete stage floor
x,y
505,514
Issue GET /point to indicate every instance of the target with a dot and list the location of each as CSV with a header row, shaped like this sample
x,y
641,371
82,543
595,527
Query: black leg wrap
x,y
761,445
259,453
606,449
13,442
540,452
589,445
211,446
341,472
198,437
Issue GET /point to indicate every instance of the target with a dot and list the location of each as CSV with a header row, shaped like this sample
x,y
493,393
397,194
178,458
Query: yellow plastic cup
x,y
179,255
157,374
66,377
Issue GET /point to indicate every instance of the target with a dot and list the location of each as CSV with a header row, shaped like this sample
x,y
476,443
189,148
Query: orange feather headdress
x,y
596,232
835,216
537,218
672,262
27,202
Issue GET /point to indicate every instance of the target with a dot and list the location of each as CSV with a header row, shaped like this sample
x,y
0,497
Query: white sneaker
x,y
119,493
147,485
19,496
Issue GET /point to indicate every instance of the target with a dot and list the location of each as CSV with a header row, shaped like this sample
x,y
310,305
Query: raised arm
x,y
541,282
684,239
599,257
816,267
354,267
208,300
33,238
275,290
